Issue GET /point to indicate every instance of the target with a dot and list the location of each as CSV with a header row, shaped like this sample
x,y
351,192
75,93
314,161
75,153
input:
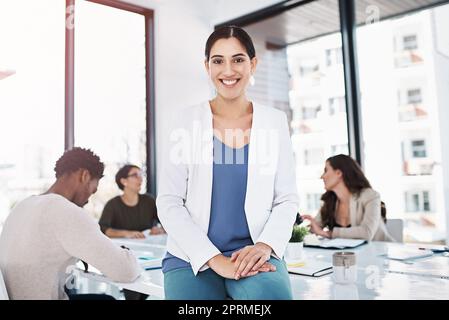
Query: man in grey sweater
x,y
45,235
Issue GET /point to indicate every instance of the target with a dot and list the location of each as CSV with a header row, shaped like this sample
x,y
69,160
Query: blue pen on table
x,y
147,258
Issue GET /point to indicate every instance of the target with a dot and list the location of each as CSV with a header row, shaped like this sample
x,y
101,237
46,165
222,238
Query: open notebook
x,y
337,243
149,262
403,254
431,266
311,268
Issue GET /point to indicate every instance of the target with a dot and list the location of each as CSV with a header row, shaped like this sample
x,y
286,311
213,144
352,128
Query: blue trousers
x,y
182,284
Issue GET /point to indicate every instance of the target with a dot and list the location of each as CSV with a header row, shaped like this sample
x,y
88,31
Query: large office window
x,y
313,202
403,68
31,97
302,67
404,63
110,94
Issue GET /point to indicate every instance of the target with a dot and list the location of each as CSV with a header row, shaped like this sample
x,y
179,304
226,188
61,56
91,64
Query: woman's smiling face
x,y
230,68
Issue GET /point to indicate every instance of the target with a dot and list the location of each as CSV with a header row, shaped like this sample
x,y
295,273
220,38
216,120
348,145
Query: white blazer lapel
x,y
252,167
260,182
205,149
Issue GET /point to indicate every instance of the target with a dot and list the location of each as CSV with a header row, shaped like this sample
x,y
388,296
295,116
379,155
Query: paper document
x,y
311,268
401,253
337,243
148,262
433,267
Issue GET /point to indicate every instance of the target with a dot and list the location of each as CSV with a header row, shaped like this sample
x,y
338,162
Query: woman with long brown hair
x,y
350,208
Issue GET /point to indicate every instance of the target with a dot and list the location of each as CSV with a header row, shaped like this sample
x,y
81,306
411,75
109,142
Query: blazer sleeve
x,y
175,217
278,228
370,221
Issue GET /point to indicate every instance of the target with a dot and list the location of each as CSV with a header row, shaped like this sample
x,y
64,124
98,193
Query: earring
x,y
252,81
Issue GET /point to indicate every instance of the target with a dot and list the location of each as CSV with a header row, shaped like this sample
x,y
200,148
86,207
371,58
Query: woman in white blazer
x,y
351,208
227,194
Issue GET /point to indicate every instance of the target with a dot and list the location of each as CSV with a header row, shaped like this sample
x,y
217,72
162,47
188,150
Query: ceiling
x,y
321,17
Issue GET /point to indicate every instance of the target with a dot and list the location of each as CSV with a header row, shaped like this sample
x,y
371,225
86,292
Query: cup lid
x,y
343,259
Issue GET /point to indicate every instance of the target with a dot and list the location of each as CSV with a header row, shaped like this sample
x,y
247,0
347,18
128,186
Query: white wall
x,y
181,30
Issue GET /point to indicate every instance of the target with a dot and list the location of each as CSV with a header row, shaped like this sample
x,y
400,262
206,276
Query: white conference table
x,y
377,278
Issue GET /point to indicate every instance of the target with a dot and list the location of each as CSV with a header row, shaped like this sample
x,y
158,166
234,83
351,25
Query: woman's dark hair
x,y
123,174
78,158
231,32
353,178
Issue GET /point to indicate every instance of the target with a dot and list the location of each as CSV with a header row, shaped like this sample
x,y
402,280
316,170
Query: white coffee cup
x,y
344,267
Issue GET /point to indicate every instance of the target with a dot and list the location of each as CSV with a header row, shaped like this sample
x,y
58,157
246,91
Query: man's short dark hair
x,y
123,174
78,158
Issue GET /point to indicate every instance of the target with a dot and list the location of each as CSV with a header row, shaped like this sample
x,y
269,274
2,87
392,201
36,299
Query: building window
x,y
339,149
313,201
426,201
334,57
410,42
419,149
414,96
313,157
310,112
418,201
415,202
308,67
337,105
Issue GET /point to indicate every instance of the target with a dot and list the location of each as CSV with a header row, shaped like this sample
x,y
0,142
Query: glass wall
x,y
403,68
110,91
110,94
31,97
403,65
301,73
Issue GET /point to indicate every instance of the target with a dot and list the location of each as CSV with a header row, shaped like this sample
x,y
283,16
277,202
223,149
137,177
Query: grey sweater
x,y
44,237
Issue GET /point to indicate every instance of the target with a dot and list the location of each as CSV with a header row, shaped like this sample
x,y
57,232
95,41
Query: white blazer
x,y
185,184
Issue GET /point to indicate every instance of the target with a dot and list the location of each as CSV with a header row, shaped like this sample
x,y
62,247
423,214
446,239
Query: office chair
x,y
395,228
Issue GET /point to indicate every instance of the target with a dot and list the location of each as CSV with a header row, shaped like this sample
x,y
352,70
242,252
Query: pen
x,y
445,249
147,258
419,274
